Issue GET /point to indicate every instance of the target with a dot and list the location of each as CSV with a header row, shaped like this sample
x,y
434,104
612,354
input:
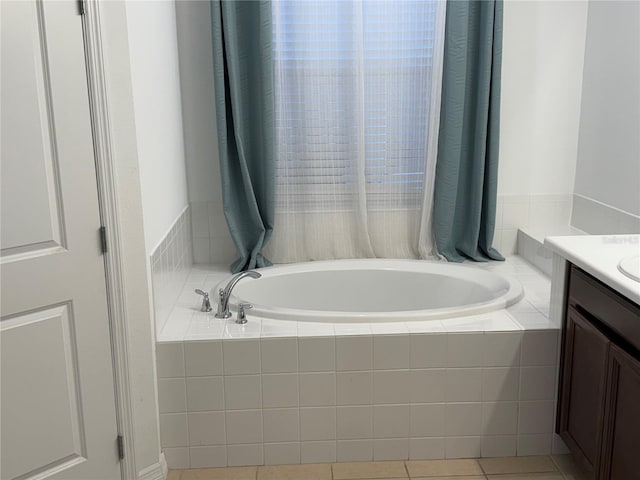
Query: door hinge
x,y
103,239
120,447
80,7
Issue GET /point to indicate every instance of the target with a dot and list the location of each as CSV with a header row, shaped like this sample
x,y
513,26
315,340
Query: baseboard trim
x,y
157,471
163,465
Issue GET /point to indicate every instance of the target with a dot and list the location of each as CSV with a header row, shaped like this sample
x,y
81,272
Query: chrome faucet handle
x,y
206,303
242,317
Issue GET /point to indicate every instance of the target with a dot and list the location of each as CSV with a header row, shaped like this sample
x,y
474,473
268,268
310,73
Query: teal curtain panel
x,y
467,167
244,97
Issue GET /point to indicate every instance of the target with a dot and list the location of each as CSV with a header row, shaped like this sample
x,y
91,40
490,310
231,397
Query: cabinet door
x,y
621,459
583,389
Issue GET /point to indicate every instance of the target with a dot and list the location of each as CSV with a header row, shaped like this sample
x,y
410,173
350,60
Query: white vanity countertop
x,y
600,255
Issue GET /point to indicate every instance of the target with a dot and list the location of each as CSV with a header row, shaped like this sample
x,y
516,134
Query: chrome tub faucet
x,y
225,293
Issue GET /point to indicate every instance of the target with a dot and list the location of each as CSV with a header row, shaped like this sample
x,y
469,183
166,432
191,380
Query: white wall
x,y
141,341
157,103
608,169
211,240
543,54
196,71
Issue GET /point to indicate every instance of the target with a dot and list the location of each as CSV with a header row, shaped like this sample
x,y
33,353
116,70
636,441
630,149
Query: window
x,y
353,100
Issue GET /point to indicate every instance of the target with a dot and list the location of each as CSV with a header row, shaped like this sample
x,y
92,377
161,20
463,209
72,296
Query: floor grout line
x,y
486,475
553,460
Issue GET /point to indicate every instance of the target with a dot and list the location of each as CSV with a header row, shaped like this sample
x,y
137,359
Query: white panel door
x,y
57,414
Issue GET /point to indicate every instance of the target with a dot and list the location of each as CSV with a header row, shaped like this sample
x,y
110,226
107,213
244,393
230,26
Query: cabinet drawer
x,y
586,294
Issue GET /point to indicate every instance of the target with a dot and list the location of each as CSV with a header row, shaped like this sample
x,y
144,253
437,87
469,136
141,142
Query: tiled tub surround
x,y
278,392
539,212
212,242
170,267
532,249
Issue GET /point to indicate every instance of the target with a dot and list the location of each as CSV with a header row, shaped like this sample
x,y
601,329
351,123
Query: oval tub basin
x,y
371,290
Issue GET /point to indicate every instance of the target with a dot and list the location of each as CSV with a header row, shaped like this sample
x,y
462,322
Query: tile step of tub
x,y
531,244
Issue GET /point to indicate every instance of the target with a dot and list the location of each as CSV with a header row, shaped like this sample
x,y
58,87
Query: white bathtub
x,y
374,290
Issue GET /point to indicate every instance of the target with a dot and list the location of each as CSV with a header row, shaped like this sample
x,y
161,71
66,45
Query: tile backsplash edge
x,y
597,218
170,264
514,212
212,242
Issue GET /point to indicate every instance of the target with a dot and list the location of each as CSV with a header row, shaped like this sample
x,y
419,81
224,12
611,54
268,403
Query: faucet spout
x,y
225,293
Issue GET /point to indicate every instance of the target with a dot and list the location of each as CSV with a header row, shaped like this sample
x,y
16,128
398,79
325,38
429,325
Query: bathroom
x,y
342,368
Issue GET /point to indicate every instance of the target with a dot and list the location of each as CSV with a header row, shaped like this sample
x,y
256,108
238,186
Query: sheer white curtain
x,y
357,112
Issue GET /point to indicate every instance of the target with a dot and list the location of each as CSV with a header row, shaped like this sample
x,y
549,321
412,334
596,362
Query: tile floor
x,y
555,467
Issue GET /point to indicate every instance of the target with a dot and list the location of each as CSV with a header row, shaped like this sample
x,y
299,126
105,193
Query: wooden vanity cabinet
x,y
599,393
583,389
